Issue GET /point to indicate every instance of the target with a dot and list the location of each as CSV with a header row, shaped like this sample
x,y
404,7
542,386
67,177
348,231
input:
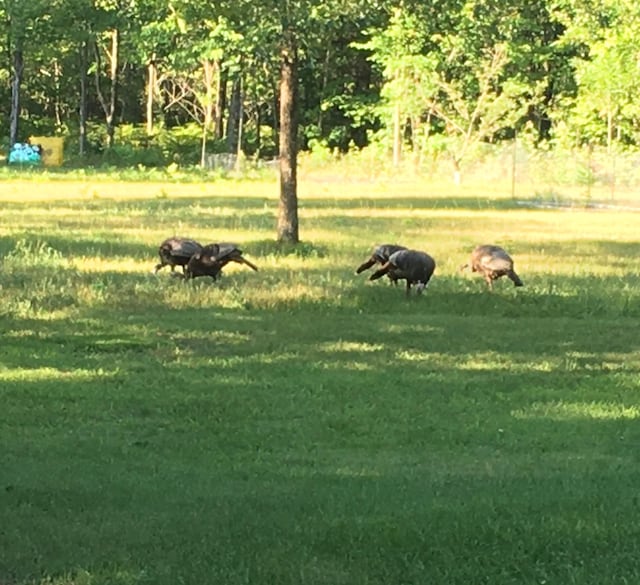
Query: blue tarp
x,y
25,153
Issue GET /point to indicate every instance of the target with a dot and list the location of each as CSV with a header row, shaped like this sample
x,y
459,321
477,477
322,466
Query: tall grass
x,y
301,424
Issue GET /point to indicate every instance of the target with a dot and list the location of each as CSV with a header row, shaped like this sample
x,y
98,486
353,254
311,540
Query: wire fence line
x,y
586,175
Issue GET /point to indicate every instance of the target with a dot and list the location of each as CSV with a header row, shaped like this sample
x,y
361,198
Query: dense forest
x,y
184,78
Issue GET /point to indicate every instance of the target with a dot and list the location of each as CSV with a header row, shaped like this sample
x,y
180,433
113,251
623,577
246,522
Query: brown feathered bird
x,y
176,252
411,265
380,255
212,258
492,262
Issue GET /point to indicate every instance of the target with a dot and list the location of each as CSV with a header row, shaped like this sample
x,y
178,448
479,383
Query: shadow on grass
x,y
173,432
208,204
357,450
109,247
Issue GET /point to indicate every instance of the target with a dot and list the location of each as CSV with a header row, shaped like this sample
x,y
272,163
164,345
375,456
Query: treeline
x,y
436,77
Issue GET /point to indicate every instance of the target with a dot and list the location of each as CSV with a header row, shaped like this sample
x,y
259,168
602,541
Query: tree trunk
x,y
397,137
16,82
113,76
152,81
221,102
209,76
239,153
203,147
109,107
57,100
288,207
82,110
258,131
233,123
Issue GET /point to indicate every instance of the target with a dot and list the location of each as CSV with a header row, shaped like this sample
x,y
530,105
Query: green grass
x,y
301,425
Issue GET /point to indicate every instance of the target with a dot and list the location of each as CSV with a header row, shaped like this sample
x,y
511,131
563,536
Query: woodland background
x,y
436,86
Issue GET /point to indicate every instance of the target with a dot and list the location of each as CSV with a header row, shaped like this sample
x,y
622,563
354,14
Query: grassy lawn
x,y
301,425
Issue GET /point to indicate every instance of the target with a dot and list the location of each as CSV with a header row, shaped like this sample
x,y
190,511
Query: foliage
x,y
465,95
426,70
604,108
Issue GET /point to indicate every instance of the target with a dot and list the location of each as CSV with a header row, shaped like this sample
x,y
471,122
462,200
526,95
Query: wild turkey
x,y
176,252
380,256
212,258
492,262
411,265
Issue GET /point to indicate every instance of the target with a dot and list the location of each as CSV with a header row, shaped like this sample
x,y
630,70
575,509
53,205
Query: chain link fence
x,y
590,175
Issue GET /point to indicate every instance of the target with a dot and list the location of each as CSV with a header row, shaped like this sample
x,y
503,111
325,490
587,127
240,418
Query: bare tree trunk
x,y
152,81
221,102
288,207
57,101
208,76
275,111
82,110
16,82
258,131
109,107
240,129
233,123
113,76
203,147
397,142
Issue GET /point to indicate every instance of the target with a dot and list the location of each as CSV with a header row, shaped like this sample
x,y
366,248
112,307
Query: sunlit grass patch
x,y
562,411
350,346
49,374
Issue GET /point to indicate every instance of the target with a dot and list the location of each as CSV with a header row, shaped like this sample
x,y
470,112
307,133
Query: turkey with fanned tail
x,y
213,258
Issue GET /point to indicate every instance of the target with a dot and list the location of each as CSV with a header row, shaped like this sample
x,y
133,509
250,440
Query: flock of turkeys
x,y
415,267
397,262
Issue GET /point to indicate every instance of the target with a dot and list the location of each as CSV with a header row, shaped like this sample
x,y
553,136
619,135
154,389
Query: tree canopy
x,y
417,76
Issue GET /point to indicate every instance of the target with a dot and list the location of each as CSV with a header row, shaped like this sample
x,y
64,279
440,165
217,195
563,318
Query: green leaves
x,y
467,92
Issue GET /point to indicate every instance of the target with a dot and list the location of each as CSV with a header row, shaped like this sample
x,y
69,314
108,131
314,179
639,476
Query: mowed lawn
x,y
302,425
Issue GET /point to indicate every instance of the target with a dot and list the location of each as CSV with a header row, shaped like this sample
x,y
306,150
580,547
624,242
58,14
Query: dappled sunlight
x,y
518,361
47,188
350,365
409,355
50,374
227,361
496,361
605,361
349,346
231,362
481,361
566,411
296,293
123,265
213,346
413,329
